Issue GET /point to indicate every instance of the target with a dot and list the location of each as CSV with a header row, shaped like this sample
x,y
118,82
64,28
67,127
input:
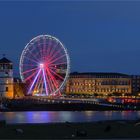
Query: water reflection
x,y
63,116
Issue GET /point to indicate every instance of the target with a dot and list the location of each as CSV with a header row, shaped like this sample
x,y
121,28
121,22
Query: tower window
x,y
6,73
6,89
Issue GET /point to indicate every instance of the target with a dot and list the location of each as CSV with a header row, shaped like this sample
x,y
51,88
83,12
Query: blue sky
x,y
100,36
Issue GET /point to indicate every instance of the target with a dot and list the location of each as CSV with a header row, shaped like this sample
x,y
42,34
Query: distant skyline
x,y
100,36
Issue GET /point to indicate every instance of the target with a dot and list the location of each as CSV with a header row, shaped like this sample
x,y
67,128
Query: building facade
x,y
100,83
6,78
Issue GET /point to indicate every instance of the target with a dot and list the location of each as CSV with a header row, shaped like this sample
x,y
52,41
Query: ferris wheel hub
x,y
41,65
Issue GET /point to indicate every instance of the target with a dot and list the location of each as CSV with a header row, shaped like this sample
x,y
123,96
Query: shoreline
x,y
66,107
63,105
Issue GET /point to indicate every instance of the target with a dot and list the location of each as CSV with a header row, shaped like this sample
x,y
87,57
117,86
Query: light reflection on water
x,y
70,116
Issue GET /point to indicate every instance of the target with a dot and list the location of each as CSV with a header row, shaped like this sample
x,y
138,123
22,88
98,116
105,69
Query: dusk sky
x,y
100,36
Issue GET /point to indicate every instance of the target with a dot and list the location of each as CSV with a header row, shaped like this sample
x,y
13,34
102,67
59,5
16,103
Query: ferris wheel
x,y
44,66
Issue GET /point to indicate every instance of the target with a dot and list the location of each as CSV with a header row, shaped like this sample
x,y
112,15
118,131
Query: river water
x,y
70,116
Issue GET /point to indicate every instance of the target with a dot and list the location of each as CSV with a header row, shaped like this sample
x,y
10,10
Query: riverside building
x,y
6,78
100,83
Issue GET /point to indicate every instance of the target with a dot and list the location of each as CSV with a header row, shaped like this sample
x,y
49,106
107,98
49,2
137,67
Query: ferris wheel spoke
x,y
50,81
39,87
56,49
42,84
33,55
39,48
36,84
28,65
52,84
54,55
29,77
58,58
44,77
47,50
30,59
36,55
53,50
44,50
46,47
57,74
50,47
52,78
57,64
27,71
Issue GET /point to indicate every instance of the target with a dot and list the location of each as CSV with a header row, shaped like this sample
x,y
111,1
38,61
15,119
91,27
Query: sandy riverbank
x,y
107,129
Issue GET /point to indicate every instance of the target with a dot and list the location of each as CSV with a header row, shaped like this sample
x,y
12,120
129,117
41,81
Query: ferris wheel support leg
x,y
34,81
46,88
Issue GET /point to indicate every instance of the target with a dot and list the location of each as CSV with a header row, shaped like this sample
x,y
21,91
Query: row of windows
x,y
113,90
100,90
136,77
82,84
93,84
115,83
101,83
136,85
136,81
5,66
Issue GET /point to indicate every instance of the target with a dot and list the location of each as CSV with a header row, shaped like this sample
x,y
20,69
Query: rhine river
x,y
67,116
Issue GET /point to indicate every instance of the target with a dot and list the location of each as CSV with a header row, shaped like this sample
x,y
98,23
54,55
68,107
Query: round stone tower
x,y
6,78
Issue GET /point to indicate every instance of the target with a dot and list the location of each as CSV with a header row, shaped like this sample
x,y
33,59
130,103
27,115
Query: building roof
x,y
98,75
5,60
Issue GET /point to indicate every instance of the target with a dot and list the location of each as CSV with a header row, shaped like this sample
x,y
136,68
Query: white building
x,y
6,78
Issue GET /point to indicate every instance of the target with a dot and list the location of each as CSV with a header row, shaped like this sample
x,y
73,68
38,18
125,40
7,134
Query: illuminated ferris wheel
x,y
44,66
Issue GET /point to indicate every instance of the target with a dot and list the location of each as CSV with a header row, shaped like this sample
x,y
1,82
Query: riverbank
x,y
99,130
68,107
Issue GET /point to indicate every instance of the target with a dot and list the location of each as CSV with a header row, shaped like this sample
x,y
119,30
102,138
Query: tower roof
x,y
5,60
